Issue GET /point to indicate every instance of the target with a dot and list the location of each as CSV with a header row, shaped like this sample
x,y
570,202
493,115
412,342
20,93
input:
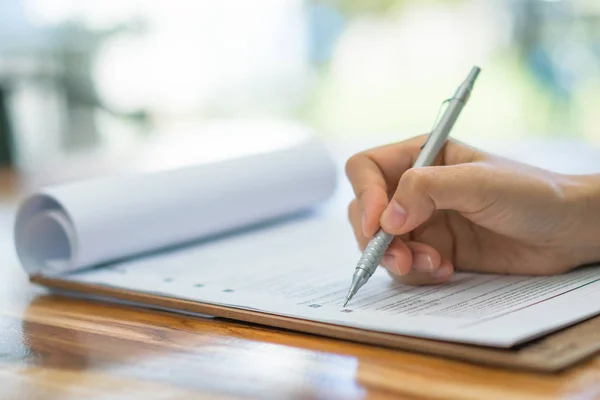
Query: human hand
x,y
472,211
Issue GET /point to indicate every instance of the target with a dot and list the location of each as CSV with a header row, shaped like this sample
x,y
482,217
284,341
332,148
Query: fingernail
x,y
364,223
389,262
422,262
443,272
395,215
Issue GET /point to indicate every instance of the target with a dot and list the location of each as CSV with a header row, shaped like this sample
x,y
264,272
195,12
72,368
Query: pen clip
x,y
436,121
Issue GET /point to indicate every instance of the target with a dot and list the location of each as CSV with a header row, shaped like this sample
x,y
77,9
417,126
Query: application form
x,y
303,268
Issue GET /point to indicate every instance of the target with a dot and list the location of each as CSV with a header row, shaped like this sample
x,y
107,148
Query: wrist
x,y
582,197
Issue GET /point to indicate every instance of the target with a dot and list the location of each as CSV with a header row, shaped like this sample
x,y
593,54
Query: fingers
x,y
409,262
385,173
374,174
416,278
370,189
397,258
466,188
427,266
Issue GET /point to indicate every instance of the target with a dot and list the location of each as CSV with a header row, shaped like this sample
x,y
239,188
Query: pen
x,y
371,256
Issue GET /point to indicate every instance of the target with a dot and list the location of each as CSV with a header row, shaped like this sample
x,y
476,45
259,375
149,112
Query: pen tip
x,y
347,300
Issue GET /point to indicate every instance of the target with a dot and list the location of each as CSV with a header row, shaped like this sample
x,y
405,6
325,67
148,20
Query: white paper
x,y
83,224
302,269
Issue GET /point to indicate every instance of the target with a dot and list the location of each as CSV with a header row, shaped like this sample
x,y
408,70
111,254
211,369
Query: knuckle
x,y
360,193
415,181
352,163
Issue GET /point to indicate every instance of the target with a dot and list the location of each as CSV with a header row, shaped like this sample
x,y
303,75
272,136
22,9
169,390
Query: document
x,y
303,269
246,233
83,224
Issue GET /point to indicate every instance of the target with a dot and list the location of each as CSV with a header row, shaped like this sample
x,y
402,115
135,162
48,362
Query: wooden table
x,y
53,347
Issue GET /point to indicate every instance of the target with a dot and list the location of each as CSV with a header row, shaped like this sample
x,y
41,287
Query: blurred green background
x,y
99,76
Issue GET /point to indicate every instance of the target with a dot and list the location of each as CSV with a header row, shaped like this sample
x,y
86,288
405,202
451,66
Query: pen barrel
x,y
374,251
436,139
439,135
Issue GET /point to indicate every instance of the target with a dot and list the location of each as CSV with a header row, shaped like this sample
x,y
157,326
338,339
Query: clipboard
x,y
552,353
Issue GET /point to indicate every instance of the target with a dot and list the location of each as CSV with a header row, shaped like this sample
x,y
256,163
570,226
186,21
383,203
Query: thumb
x,y
421,191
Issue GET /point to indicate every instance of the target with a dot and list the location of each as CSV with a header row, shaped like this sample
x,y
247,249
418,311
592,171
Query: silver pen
x,y
368,262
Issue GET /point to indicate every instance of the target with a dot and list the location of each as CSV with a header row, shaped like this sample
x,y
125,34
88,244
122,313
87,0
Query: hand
x,y
472,211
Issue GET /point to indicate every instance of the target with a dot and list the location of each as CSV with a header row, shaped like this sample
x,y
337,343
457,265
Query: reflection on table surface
x,y
63,348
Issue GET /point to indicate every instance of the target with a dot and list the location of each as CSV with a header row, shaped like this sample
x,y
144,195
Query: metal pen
x,y
374,251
